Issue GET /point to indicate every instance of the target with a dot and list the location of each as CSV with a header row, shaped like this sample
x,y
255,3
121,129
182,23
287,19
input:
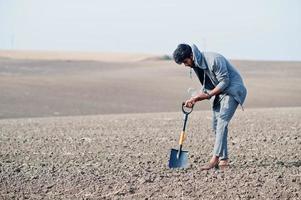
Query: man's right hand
x,y
189,103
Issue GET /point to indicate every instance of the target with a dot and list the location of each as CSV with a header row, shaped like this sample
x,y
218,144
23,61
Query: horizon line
x,y
120,53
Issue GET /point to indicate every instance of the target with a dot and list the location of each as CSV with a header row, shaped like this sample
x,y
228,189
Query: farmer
x,y
222,85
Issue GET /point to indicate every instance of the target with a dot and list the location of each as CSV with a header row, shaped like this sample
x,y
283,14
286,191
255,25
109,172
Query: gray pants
x,y
222,114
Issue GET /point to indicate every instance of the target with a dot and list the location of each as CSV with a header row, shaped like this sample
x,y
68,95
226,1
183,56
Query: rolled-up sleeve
x,y
221,72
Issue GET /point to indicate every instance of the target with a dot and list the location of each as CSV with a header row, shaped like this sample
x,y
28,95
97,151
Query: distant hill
x,y
74,55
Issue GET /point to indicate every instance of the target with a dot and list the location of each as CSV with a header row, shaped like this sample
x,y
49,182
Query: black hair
x,y
182,52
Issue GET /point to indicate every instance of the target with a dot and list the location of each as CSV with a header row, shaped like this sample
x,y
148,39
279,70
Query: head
x,y
183,54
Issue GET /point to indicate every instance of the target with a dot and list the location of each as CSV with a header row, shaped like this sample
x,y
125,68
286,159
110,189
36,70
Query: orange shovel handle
x,y
182,138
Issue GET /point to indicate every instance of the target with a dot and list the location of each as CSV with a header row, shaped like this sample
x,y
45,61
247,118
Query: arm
x,y
222,75
221,72
202,96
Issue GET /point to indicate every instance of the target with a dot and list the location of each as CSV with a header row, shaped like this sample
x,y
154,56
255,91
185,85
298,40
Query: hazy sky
x,y
254,29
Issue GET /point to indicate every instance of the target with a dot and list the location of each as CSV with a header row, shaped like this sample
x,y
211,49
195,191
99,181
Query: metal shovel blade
x,y
178,159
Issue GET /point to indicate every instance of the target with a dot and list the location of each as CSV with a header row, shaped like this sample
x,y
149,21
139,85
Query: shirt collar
x,y
198,57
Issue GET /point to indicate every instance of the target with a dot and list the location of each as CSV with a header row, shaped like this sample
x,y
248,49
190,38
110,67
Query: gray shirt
x,y
221,73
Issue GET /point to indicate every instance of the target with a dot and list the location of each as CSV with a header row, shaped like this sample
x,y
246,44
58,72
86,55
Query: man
x,y
223,85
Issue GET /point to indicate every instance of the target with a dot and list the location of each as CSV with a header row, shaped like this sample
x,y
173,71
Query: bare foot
x,y
212,164
223,164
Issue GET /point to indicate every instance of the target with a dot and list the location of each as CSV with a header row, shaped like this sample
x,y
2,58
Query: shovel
x,y
179,158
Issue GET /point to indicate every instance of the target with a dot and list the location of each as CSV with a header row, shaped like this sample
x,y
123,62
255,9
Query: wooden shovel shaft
x,y
183,135
182,138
